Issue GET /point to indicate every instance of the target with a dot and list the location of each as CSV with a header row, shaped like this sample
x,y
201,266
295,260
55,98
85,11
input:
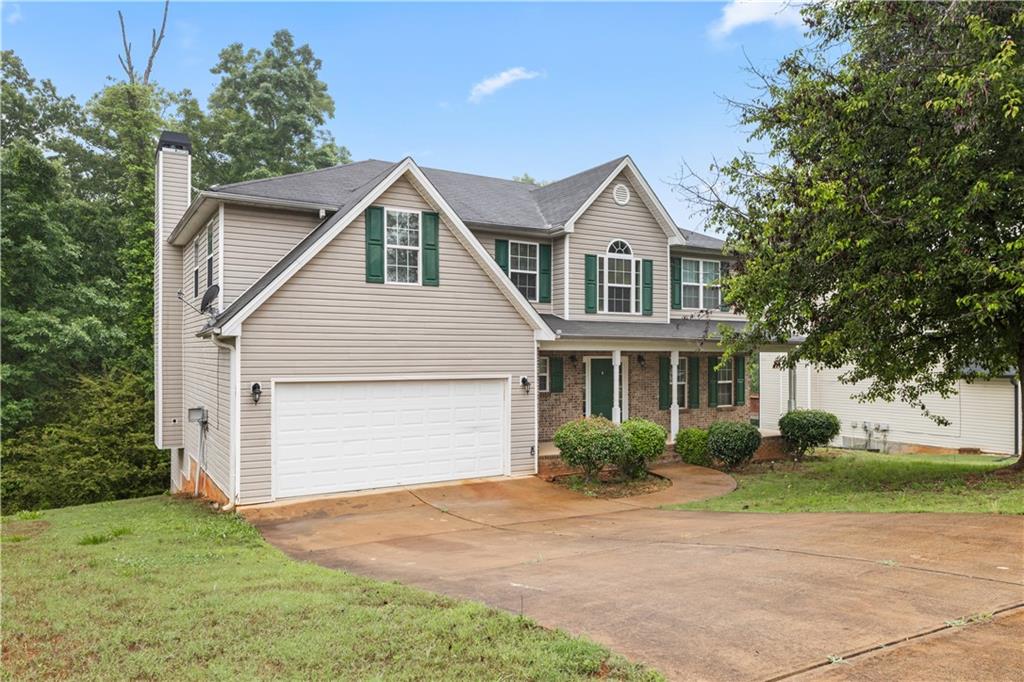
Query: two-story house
x,y
379,324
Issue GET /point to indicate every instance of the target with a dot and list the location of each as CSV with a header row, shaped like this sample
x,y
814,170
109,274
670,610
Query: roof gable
x,y
229,321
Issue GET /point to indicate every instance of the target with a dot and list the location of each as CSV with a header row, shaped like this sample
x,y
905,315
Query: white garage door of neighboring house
x,y
337,436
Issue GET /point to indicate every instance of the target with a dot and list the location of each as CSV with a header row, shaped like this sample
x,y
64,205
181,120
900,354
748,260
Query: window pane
x,y
712,297
725,393
711,271
618,299
195,253
403,229
209,272
620,271
526,282
691,296
725,372
209,239
542,374
636,286
619,246
522,256
691,271
403,265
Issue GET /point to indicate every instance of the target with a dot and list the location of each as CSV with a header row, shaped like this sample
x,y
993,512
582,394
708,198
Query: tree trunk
x,y
1019,464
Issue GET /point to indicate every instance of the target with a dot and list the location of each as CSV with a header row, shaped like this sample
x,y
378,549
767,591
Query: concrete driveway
x,y
697,595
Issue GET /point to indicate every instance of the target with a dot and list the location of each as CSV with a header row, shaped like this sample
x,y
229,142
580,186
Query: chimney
x,y
173,195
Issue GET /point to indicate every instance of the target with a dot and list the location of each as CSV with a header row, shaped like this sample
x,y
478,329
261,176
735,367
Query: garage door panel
x,y
337,436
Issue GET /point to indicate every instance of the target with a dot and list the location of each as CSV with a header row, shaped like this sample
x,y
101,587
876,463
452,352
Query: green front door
x,y
601,387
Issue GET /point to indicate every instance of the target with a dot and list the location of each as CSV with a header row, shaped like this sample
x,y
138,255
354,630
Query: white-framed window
x,y
195,267
209,255
681,381
618,279
523,267
725,376
401,246
700,284
543,382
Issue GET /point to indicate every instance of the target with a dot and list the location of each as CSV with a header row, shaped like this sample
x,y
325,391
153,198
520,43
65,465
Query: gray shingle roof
x,y
677,330
476,198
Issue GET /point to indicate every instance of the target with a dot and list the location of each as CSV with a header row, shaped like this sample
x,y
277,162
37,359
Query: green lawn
x,y
158,588
850,481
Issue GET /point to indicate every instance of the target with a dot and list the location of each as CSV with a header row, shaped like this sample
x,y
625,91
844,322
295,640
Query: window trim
x,y
535,273
636,280
546,374
699,283
731,383
418,249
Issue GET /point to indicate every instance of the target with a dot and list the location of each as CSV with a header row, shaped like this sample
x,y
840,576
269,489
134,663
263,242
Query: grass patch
x,y
854,481
191,594
100,538
610,486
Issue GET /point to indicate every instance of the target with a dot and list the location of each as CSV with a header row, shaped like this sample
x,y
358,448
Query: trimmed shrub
x,y
733,443
646,443
590,443
806,429
692,446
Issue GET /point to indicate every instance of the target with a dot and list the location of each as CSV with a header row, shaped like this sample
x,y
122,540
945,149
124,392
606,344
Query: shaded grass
x,y
178,592
855,481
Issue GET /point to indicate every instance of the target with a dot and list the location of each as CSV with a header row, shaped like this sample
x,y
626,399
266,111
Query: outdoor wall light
x,y
572,359
525,381
641,360
256,393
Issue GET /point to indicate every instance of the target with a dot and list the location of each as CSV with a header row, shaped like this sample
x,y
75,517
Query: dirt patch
x,y
609,485
23,529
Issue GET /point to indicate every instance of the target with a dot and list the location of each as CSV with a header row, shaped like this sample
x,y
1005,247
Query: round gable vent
x,y
621,194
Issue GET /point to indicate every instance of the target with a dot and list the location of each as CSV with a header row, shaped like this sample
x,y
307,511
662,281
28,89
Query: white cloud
x,y
739,13
489,86
15,16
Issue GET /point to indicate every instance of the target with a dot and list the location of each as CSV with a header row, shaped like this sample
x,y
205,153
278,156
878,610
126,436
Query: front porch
x,y
673,388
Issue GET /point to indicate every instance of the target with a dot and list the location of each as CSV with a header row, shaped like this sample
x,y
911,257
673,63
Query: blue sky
x,y
494,89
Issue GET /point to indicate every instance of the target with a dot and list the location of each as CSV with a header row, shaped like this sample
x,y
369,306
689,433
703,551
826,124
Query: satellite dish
x,y
208,298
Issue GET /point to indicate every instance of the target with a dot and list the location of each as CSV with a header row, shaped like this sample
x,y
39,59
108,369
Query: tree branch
x,y
126,61
155,43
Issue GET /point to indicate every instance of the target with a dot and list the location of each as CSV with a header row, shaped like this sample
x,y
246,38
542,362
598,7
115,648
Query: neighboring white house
x,y
982,414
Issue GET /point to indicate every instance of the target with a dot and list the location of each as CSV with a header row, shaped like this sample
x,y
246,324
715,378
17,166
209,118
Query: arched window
x,y
618,279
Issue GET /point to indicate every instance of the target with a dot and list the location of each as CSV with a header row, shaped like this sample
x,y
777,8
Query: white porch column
x,y
675,396
791,400
616,400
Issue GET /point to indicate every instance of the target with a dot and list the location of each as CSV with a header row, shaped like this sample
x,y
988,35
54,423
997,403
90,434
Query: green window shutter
x,y
664,382
590,283
501,254
647,295
677,283
693,381
723,306
544,283
375,244
556,378
712,381
739,372
431,269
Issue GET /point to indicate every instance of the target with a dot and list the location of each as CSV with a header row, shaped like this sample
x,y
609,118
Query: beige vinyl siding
x,y
257,238
558,276
605,221
487,239
980,414
172,178
207,372
327,321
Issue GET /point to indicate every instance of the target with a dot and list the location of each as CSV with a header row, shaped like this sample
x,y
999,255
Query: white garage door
x,y
336,436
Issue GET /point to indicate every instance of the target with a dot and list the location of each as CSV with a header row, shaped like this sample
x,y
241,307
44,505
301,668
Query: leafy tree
x,y
885,224
99,446
59,315
32,110
264,118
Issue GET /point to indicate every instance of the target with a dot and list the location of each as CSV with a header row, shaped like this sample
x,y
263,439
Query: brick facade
x,y
554,409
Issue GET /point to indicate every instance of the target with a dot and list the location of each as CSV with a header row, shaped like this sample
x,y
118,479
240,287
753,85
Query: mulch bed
x,y
609,485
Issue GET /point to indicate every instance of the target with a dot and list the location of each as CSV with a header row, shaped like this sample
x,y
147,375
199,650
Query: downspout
x,y
231,363
1016,417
